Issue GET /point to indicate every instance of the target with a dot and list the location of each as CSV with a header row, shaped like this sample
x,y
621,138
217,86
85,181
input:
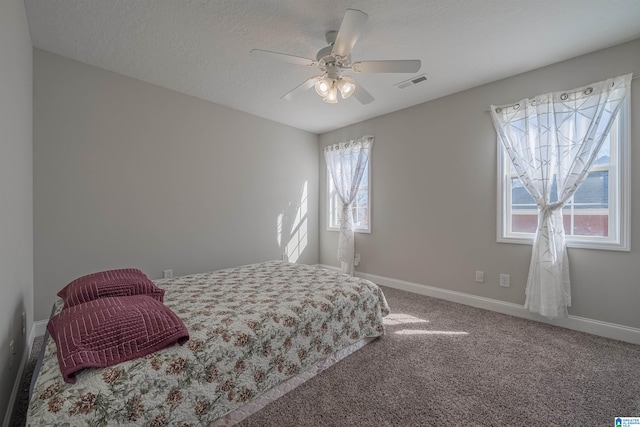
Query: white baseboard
x,y
582,324
16,384
38,329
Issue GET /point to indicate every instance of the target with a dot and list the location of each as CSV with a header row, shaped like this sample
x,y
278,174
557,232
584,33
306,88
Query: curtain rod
x,y
632,78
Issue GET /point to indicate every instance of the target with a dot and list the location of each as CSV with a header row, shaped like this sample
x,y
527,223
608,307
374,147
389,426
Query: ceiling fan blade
x,y
393,66
307,84
350,29
362,95
283,57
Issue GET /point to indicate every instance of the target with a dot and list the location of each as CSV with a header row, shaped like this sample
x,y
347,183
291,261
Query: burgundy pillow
x,y
110,330
110,283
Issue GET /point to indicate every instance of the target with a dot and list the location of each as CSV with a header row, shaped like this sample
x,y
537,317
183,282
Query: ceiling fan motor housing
x,y
326,56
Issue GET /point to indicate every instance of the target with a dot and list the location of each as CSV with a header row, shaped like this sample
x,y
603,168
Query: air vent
x,y
412,81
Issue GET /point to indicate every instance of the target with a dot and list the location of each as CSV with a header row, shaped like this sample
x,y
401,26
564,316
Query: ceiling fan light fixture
x,y
332,95
346,86
323,86
335,59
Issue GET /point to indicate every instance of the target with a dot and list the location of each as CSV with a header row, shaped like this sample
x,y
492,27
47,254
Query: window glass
x,y
597,214
360,208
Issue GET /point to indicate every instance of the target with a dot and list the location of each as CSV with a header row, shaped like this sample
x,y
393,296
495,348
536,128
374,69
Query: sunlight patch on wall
x,y
292,228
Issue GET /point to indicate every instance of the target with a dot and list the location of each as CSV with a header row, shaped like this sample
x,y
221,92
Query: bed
x,y
256,332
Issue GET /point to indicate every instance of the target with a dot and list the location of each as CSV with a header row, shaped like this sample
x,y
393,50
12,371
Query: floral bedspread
x,y
251,328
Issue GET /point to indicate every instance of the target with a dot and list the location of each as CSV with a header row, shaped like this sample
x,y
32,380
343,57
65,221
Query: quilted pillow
x,y
110,283
110,330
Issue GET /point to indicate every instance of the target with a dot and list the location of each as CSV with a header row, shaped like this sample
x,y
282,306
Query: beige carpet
x,y
444,364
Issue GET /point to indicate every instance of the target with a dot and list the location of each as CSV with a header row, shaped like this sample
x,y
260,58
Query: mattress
x,y
256,332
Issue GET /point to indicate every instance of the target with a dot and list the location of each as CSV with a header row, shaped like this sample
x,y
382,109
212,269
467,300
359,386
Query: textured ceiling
x,y
201,48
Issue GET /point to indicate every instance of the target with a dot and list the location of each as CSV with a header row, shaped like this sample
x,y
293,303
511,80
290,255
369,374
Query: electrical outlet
x,y
24,323
505,281
479,276
285,258
356,260
167,274
12,353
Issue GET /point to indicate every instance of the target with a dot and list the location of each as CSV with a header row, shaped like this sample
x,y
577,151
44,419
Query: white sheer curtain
x,y
556,136
346,163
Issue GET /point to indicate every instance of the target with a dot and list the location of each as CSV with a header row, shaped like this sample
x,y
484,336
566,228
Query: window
x,y
597,216
361,207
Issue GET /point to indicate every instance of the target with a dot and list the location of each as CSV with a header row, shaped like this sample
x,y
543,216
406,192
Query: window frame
x,y
619,238
329,196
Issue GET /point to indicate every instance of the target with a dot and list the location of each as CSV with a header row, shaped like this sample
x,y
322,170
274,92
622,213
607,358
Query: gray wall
x,y
434,195
16,189
130,174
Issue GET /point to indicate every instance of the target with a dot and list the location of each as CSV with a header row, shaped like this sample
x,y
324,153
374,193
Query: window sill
x,y
355,231
578,244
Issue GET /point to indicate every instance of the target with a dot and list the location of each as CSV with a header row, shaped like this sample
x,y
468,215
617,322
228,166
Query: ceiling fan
x,y
335,59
